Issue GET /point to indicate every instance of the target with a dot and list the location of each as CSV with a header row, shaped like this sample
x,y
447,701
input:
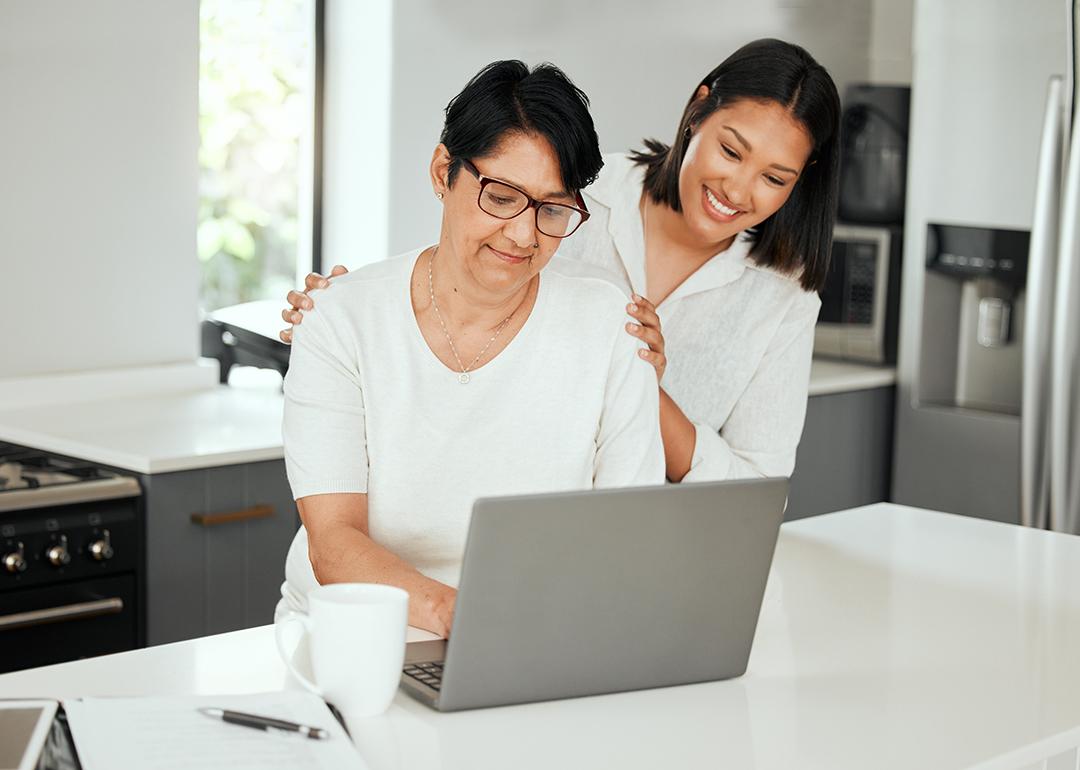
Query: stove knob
x,y
57,554
15,562
102,550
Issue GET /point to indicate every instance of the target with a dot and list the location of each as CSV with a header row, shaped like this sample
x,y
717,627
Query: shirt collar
x,y
619,189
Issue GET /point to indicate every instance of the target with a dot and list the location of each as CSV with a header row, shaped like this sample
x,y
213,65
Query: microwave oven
x,y
860,303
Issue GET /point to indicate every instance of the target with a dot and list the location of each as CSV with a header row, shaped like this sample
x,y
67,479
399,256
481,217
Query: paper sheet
x,y
167,733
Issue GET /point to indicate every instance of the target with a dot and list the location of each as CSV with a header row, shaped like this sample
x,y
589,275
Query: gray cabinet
x,y
216,544
845,455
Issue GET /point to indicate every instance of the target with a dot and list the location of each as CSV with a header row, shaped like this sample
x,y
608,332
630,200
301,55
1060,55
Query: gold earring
x,y
439,196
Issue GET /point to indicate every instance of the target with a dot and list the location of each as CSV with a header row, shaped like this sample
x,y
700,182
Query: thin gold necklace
x,y
463,378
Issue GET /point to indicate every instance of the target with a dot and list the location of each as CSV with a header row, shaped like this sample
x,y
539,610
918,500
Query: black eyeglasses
x,y
505,201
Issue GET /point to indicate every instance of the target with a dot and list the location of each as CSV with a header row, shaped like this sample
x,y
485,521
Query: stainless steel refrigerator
x,y
988,413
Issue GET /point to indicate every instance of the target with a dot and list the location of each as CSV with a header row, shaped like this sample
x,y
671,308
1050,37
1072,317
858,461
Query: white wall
x,y
638,60
98,183
890,41
356,132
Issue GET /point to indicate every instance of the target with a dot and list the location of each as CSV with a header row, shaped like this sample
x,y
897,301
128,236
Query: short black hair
x,y
797,239
507,97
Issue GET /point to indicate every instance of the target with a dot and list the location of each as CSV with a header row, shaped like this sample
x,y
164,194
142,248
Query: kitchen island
x,y
889,637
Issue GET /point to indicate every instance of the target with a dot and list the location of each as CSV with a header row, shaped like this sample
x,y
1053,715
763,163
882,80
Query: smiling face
x,y
499,256
740,167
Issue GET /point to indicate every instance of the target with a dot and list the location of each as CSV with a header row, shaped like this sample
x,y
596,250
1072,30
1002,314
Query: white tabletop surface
x,y
206,425
889,637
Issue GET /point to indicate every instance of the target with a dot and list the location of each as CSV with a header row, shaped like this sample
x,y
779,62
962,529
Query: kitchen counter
x,y
889,637
156,428
828,376
187,421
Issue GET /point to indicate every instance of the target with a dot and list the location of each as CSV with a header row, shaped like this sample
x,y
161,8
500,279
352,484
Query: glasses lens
x,y
502,201
557,221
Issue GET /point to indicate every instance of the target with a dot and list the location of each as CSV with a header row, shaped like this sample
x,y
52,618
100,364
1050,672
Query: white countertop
x,y
828,376
155,428
131,421
889,637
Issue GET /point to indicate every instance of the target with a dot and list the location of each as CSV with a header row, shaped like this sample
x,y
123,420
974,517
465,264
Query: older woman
x,y
465,369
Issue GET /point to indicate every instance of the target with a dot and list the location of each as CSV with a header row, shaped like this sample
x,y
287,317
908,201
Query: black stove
x,y
30,478
71,559
31,469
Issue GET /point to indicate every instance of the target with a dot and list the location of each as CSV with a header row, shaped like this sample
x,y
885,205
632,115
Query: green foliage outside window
x,y
254,125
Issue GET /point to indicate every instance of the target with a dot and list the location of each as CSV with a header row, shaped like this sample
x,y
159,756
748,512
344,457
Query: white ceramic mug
x,y
356,635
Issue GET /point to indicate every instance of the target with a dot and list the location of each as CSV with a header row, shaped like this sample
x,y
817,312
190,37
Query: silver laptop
x,y
582,593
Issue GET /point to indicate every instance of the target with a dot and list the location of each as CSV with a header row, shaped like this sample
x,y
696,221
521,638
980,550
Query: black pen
x,y
264,723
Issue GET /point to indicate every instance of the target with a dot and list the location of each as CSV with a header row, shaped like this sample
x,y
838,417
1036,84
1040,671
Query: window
x,y
256,229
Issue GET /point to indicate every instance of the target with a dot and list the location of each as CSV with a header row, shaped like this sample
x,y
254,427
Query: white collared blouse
x,y
739,337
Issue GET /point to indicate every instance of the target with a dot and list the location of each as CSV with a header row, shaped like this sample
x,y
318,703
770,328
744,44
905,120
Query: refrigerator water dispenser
x,y
972,355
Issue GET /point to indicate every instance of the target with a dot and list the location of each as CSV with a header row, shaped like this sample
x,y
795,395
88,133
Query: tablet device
x,y
24,726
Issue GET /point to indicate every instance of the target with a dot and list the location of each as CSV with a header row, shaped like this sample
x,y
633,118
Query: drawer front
x,y
216,545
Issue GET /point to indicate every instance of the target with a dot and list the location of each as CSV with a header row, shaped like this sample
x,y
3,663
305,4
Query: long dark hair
x,y
797,239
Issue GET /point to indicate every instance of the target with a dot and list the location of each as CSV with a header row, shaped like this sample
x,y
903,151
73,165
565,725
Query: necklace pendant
x,y
463,378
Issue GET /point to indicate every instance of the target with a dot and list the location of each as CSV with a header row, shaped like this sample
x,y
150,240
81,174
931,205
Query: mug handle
x,y
292,616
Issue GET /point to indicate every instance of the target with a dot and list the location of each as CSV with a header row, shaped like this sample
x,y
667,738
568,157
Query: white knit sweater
x,y
370,409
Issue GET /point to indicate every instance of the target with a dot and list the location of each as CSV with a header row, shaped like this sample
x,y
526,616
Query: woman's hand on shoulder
x,y
647,329
299,301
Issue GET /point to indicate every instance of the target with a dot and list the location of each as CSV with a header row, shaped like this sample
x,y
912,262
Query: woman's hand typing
x,y
341,551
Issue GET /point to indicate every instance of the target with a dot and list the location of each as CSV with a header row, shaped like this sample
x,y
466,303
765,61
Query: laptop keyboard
x,y
428,673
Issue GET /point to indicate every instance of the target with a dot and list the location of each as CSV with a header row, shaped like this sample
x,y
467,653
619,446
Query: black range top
x,y
31,478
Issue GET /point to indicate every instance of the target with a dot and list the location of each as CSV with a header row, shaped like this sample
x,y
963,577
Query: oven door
x,y
55,624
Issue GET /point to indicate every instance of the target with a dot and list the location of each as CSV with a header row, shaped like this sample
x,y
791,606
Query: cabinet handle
x,y
77,611
214,519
